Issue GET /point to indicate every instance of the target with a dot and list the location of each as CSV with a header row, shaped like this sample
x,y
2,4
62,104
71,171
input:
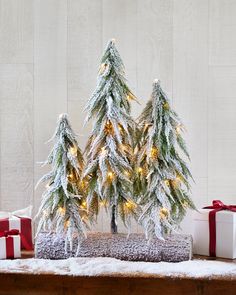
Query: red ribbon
x,y
15,232
217,205
9,241
12,232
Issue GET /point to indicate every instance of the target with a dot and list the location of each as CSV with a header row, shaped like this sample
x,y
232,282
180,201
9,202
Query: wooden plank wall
x,y
49,56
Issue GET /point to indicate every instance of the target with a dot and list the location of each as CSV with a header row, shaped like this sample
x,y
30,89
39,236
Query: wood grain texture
x,y
50,76
16,135
58,284
16,31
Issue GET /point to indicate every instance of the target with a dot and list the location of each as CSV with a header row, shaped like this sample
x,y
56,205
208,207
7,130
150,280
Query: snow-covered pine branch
x,y
109,149
165,195
63,207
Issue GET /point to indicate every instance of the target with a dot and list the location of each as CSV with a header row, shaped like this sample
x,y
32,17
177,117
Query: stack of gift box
x,y
15,233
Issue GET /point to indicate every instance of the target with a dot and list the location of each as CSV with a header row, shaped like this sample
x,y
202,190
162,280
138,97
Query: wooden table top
x,y
45,284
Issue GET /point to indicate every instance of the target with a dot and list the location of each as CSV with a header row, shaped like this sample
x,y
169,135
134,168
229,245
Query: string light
x,y
178,129
166,106
102,68
62,210
166,181
154,153
67,223
164,213
110,175
123,147
83,205
103,203
140,170
127,173
129,205
103,151
176,182
73,151
70,176
108,128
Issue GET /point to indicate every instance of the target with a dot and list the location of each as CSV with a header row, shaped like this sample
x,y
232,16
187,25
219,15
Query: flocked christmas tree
x,y
165,197
63,207
109,148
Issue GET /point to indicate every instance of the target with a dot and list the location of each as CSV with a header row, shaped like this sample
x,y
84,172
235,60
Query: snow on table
x,y
113,267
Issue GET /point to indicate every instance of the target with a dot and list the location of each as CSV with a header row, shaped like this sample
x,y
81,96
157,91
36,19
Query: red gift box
x,y
10,244
24,225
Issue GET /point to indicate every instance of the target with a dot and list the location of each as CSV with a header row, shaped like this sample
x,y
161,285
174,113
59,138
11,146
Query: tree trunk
x,y
113,220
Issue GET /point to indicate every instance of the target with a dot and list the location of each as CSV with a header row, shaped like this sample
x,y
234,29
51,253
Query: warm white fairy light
x,y
164,212
83,205
140,170
103,151
166,181
178,129
110,175
73,151
62,210
103,203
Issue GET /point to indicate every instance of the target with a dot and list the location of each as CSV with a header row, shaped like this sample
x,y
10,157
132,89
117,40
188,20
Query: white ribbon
x,y
26,212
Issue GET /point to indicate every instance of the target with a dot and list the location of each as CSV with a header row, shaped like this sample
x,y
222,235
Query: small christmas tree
x,y
109,148
166,195
63,208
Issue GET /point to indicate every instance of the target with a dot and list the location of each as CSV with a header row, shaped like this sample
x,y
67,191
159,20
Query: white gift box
x,y
225,233
16,247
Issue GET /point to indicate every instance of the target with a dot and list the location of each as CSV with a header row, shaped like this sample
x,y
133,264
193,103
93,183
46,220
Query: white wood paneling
x,y
50,76
222,101
190,77
222,83
84,51
16,31
154,46
222,32
16,136
222,142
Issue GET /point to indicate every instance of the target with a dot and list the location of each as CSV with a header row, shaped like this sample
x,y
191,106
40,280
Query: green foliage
x,y
63,207
109,151
165,191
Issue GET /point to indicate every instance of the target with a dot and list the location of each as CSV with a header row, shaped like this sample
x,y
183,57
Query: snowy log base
x,y
174,249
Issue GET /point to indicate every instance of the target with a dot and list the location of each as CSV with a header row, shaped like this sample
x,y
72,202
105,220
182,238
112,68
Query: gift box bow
x,y
217,206
12,232
15,232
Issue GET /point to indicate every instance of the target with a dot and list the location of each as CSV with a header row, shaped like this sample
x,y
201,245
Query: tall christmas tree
x,y
63,207
166,195
109,148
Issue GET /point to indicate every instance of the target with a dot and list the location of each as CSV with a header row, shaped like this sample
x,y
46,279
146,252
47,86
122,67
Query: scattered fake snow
x,y
110,266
